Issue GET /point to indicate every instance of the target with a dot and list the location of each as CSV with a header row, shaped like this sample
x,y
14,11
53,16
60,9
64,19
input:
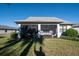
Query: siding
x,y
6,31
2,31
77,29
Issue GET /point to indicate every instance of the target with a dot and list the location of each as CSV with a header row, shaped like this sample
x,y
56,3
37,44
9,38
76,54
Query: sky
x,y
21,11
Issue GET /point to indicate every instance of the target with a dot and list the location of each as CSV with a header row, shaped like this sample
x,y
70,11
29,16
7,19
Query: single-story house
x,y
76,27
46,25
6,29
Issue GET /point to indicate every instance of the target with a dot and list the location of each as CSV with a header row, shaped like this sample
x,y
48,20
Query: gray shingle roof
x,y
66,22
41,19
44,19
76,25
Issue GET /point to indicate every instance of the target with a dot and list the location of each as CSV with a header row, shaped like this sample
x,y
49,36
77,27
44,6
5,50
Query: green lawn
x,y
51,47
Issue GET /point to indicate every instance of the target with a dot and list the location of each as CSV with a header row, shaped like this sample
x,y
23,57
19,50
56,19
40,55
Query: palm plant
x,y
27,42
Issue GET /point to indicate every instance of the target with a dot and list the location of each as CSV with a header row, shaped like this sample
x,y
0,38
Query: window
x,y
6,30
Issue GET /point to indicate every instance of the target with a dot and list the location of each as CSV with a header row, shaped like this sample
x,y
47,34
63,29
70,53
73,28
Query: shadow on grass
x,y
2,52
29,45
10,43
40,52
27,48
8,51
25,42
2,36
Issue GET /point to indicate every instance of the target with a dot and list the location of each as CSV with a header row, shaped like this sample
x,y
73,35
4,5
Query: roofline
x,y
7,29
68,24
18,22
39,21
36,22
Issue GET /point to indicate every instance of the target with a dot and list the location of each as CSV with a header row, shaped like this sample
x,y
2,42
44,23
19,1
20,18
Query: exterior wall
x,y
76,28
10,31
48,28
6,31
56,28
58,31
69,26
63,28
45,29
33,26
2,31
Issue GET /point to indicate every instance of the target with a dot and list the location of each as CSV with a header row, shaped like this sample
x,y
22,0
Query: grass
x,y
61,47
51,47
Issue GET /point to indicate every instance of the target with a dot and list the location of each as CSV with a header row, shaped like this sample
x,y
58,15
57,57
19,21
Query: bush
x,y
78,35
71,33
14,35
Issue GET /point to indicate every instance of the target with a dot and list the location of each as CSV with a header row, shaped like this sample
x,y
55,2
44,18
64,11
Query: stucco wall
x,y
77,29
63,28
60,28
66,26
4,31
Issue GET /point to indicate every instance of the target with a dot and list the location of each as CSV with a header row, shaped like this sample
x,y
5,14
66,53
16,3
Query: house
x,y
76,27
46,25
6,29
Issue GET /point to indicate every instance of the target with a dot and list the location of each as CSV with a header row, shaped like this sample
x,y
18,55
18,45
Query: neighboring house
x,y
46,25
76,27
6,29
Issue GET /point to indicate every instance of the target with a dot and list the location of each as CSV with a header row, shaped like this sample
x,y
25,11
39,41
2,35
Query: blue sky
x,y
19,11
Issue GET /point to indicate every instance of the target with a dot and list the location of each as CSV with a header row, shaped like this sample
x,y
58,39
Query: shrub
x,y
14,35
71,33
78,35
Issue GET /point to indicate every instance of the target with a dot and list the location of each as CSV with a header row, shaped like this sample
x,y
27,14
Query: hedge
x,y
70,32
70,38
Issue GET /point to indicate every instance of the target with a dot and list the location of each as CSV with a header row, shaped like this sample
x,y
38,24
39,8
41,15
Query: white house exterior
x,y
46,25
76,27
7,29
